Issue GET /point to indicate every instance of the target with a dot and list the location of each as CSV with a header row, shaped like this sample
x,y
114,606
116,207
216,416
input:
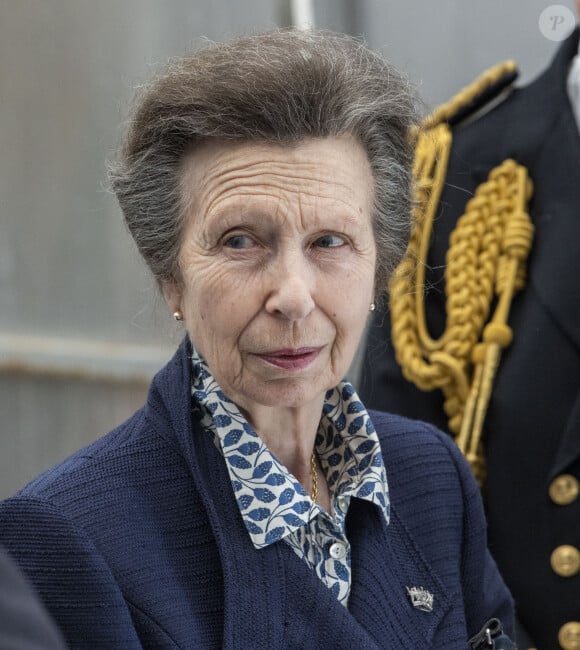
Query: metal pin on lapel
x,y
421,598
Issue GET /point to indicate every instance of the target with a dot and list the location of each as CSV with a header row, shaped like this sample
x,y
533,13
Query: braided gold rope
x,y
486,258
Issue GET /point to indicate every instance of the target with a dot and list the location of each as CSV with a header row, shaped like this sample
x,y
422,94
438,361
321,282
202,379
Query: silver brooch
x,y
421,598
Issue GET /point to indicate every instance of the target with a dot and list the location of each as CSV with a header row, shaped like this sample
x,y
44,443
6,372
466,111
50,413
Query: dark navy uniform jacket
x,y
532,431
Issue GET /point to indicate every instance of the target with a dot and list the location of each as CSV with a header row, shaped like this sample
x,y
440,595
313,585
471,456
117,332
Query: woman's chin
x,y
286,392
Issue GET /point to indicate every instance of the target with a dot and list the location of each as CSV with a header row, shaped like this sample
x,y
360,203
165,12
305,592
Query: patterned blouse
x,y
272,503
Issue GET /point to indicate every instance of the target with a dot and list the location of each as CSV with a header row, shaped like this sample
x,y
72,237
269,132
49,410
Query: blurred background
x,y
82,329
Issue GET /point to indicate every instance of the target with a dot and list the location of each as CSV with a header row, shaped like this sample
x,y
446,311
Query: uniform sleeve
x,y
71,577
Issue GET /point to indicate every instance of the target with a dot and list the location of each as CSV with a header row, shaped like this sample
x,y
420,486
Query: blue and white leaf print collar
x,y
272,502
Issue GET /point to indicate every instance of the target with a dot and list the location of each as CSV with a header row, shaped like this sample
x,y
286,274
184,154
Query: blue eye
x,y
239,242
329,241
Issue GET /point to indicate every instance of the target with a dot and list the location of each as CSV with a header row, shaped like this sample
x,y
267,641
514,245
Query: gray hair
x,y
281,86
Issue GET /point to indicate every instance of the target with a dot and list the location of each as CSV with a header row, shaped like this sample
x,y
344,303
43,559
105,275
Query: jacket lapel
x,y
555,205
385,562
252,590
313,617
556,215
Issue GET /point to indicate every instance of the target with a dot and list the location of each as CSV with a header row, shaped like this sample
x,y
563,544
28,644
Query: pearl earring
x,y
372,306
178,315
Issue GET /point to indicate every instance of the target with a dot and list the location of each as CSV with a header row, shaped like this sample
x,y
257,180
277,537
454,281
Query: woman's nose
x,y
291,289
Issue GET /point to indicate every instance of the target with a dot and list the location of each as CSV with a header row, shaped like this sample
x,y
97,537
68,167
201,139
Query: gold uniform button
x,y
569,636
565,561
564,489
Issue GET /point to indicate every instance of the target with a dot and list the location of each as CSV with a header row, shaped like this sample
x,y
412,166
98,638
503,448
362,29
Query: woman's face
x,y
277,264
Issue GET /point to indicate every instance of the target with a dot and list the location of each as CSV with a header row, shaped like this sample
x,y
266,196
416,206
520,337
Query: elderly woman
x,y
266,184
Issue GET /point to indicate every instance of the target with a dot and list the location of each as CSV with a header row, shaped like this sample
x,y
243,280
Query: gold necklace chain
x,y
314,476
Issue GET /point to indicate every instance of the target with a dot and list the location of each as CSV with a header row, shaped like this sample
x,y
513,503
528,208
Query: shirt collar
x,y
271,501
573,86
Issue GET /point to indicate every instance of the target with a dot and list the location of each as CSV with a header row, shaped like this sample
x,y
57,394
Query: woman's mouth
x,y
291,359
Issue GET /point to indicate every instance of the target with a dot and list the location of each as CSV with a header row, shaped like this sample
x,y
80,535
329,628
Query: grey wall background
x,y
81,326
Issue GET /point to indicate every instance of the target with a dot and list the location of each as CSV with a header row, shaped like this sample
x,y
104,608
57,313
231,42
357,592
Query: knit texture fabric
x,y
137,542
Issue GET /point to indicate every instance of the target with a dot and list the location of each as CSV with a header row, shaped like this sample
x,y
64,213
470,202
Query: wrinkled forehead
x,y
318,171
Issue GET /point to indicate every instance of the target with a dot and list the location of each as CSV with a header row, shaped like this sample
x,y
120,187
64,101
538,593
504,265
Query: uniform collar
x,y
573,84
271,501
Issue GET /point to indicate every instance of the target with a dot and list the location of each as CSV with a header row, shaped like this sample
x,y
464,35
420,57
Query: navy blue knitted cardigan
x,y
136,542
